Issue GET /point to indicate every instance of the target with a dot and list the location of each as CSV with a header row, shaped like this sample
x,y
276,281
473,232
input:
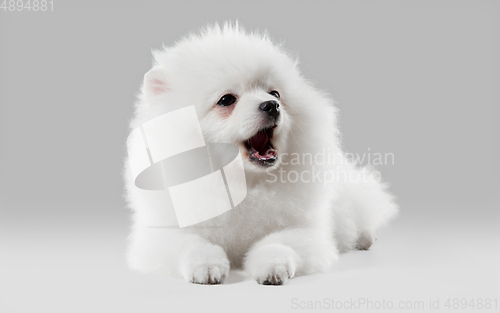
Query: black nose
x,y
271,108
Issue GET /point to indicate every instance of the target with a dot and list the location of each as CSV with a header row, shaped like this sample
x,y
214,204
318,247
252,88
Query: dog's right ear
x,y
155,84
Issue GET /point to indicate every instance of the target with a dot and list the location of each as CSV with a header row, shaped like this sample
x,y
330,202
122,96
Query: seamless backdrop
x,y
417,79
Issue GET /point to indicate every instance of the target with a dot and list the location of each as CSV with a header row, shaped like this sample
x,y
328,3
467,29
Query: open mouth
x,y
260,149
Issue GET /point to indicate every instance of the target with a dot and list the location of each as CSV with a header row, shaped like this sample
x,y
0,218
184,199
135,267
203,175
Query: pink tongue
x,y
259,141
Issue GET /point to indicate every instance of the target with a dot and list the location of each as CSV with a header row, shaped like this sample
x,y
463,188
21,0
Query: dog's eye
x,y
226,100
274,93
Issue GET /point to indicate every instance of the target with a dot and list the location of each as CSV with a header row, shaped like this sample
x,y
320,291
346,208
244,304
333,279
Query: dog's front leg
x,y
178,253
203,263
285,254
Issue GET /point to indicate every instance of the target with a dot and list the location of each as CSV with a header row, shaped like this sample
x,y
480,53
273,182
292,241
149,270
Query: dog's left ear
x,y
155,84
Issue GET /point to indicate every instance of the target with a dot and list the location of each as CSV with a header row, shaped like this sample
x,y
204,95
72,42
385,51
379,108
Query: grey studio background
x,y
419,79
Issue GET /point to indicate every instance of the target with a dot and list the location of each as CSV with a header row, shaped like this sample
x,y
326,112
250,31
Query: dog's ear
x,y
155,83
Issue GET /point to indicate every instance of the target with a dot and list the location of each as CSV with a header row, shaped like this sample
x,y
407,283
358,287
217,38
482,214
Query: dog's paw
x,y
210,273
365,241
272,264
275,274
204,264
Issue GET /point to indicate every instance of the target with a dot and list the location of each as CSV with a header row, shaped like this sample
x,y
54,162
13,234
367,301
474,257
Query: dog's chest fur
x,y
258,216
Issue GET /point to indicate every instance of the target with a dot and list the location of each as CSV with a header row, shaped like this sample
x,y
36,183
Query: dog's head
x,y
242,86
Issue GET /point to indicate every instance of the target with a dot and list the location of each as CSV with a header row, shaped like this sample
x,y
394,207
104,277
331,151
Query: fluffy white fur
x,y
281,229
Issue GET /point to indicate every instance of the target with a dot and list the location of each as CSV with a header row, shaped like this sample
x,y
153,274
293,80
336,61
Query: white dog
x,y
247,91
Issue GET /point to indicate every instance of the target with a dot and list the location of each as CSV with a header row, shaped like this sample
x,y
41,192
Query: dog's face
x,y
249,109
240,86
253,117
